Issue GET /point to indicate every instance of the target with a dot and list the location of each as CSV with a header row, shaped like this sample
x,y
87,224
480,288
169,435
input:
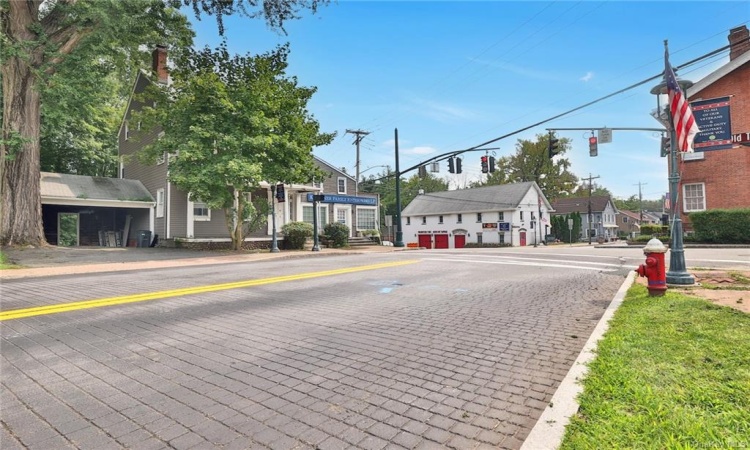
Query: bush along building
x,y
716,175
603,223
179,220
503,215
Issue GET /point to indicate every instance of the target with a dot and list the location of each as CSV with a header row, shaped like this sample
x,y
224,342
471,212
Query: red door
x,y
441,241
459,240
425,240
522,234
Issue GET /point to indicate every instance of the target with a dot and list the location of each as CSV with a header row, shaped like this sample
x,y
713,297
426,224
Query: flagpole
x,y
677,273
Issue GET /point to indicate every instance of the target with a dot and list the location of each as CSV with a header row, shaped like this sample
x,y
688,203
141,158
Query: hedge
x,y
722,226
296,233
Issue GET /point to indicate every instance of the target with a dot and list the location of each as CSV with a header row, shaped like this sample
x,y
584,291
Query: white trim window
x,y
307,215
201,212
341,185
694,196
160,202
126,131
366,219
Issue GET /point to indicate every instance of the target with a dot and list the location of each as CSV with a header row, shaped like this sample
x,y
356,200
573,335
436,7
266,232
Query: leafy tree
x,y
633,203
37,37
596,190
232,122
530,162
561,230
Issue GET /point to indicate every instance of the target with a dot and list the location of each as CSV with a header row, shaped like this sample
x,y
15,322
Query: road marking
x,y
520,263
87,304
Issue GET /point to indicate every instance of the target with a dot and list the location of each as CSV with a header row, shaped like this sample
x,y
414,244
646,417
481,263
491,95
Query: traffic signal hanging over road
x,y
593,146
492,163
553,146
451,166
666,145
458,165
485,164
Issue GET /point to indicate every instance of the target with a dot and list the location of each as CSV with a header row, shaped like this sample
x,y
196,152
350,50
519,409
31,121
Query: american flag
x,y
682,116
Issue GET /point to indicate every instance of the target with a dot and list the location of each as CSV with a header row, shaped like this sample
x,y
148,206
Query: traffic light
x,y
458,165
422,172
593,146
666,145
451,166
553,147
492,163
485,164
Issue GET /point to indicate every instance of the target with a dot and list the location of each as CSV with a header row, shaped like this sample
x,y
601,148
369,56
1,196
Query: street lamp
x,y
677,273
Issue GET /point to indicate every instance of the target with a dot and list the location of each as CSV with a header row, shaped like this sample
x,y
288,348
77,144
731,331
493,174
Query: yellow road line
x,y
64,307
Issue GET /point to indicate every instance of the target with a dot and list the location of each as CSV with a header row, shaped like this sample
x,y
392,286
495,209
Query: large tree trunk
x,y
21,215
21,196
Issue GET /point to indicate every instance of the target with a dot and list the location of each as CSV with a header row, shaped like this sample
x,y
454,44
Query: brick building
x,y
717,176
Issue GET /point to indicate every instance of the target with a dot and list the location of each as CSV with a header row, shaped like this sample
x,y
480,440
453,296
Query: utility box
x,y
143,238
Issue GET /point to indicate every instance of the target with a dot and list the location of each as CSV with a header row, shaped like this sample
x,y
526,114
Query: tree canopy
x,y
36,39
229,123
530,162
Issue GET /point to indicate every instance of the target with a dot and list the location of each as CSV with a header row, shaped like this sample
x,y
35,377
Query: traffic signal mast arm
x,y
661,130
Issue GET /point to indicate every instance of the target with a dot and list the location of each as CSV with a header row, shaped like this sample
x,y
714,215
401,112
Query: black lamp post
x,y
677,273
399,242
274,242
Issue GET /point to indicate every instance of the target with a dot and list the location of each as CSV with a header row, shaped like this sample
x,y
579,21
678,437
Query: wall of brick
x,y
726,173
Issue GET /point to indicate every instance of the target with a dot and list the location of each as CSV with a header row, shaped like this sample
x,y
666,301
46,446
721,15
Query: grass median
x,y
671,372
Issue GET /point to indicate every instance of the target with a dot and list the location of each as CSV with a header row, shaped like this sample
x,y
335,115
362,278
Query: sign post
x,y
570,231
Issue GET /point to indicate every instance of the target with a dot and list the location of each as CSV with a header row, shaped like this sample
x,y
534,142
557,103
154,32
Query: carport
x,y
80,210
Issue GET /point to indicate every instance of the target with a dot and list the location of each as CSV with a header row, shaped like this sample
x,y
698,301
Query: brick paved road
x,y
431,355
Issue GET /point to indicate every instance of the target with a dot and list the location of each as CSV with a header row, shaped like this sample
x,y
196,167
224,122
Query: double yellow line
x,y
65,307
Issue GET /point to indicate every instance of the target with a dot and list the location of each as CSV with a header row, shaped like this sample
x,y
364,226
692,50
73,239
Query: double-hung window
x,y
695,197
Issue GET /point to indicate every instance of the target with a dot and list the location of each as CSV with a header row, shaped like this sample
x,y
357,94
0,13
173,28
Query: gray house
x,y
603,215
177,217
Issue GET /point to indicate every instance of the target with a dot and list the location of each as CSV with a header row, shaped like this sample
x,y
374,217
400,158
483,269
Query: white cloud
x,y
518,70
586,78
443,112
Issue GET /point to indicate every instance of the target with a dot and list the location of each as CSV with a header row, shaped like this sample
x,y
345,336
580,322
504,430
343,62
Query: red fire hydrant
x,y
654,269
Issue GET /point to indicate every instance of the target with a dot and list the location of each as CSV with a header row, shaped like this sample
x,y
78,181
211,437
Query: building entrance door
x,y
522,235
459,241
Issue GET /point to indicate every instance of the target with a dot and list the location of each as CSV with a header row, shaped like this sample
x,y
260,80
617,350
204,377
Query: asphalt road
x,y
421,349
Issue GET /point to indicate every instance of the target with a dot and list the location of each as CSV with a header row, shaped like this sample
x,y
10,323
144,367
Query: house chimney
x,y
159,63
739,41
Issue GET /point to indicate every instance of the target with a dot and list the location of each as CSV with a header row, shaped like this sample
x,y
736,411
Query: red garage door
x,y
459,241
425,240
441,241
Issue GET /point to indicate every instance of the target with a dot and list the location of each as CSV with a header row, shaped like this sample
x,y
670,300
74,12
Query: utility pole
x,y
640,200
358,136
589,209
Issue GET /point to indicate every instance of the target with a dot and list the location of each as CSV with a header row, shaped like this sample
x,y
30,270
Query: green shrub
x,y
370,232
296,233
337,234
722,226
654,229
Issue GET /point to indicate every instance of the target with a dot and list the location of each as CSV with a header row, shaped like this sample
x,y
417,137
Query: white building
x,y
503,215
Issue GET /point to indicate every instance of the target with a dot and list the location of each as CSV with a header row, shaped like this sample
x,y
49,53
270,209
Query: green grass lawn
x,y
670,373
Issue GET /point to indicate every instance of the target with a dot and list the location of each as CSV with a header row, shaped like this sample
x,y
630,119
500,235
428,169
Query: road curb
x,y
549,430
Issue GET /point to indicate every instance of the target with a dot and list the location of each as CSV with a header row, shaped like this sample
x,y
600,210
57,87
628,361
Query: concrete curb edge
x,y
549,430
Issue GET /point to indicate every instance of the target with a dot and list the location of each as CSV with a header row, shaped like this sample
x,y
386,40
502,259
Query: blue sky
x,y
451,75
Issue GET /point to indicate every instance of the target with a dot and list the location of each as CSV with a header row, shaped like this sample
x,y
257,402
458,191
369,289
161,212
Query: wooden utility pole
x,y
358,136
640,200
589,209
